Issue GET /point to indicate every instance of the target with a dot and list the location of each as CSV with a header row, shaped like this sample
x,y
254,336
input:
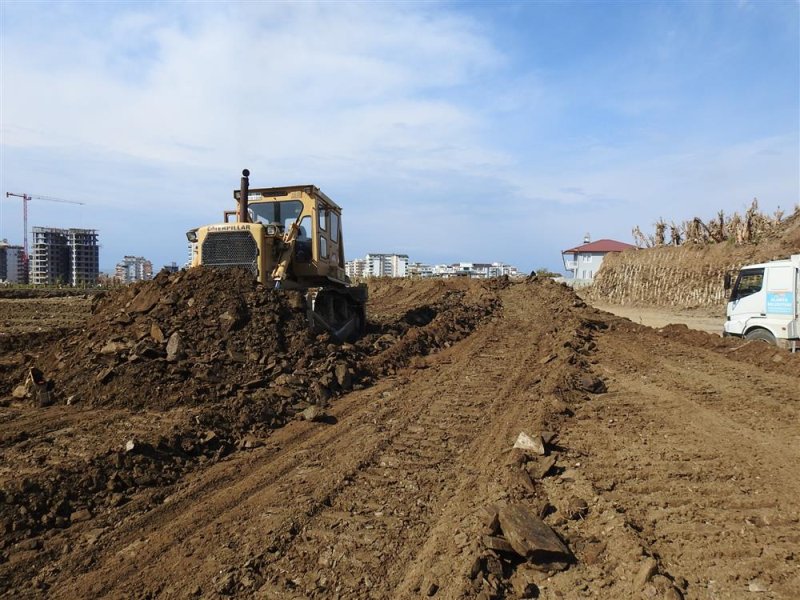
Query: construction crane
x,y
27,198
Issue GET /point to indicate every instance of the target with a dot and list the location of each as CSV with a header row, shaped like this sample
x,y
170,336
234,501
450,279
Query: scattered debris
x,y
577,508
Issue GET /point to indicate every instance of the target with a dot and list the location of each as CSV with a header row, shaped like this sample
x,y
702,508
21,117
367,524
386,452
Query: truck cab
x,y
764,303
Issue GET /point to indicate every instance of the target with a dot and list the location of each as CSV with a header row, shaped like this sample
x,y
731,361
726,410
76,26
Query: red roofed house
x,y
584,261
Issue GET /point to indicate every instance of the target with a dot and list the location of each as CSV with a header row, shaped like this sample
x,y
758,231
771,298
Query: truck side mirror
x,y
727,280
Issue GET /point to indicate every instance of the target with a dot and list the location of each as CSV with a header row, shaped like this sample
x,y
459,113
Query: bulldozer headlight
x,y
192,236
272,230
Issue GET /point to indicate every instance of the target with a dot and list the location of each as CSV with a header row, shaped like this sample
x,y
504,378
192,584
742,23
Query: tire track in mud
x,y
379,474
171,531
704,465
386,515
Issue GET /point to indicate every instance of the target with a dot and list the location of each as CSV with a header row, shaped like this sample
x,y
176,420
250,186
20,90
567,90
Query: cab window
x,y
323,247
749,282
323,218
334,227
282,213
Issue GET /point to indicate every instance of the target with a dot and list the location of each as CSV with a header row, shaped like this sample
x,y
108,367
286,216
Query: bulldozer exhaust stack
x,y
244,194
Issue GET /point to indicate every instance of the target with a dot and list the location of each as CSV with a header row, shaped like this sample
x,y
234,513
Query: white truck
x,y
764,303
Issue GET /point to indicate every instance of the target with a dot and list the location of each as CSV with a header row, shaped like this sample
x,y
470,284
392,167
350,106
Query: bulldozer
x,y
289,238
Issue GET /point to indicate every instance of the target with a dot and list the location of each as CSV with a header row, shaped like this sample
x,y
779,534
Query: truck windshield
x,y
749,282
281,213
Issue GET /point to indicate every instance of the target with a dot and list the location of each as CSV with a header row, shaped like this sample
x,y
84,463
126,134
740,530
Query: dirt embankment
x,y
662,466
687,276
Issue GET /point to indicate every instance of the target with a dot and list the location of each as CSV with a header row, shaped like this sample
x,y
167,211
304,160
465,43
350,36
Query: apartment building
x,y
378,265
464,269
355,268
84,259
64,257
134,268
386,265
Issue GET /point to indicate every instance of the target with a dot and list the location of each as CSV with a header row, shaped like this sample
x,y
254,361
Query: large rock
x,y
530,443
157,334
80,515
145,300
539,468
646,570
343,376
531,538
592,384
314,413
174,347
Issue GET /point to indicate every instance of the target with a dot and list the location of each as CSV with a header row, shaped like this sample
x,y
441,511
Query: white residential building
x,y
397,265
355,268
418,269
468,269
134,268
584,261
386,265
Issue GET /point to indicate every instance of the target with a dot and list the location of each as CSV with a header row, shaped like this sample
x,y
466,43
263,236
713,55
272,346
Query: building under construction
x,y
64,257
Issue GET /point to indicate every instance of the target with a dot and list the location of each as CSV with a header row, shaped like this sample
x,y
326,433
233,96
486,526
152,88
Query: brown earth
x,y
703,319
671,469
30,316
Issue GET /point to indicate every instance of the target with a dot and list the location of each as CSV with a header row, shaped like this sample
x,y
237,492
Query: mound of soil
x,y
206,336
182,339
238,358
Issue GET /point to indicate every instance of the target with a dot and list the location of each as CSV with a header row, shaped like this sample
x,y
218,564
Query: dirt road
x,y
679,480
700,319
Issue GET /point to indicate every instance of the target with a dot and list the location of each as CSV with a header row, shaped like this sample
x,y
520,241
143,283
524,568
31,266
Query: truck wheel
x,y
761,335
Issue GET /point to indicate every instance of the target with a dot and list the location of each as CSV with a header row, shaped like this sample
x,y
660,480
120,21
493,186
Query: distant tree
x,y
545,272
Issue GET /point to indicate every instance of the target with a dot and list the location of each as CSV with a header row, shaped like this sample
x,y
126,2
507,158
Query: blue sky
x,y
447,130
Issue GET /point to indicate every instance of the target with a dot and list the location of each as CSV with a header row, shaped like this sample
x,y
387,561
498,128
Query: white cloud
x,y
261,82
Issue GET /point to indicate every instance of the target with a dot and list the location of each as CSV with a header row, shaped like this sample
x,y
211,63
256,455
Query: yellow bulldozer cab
x,y
320,247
